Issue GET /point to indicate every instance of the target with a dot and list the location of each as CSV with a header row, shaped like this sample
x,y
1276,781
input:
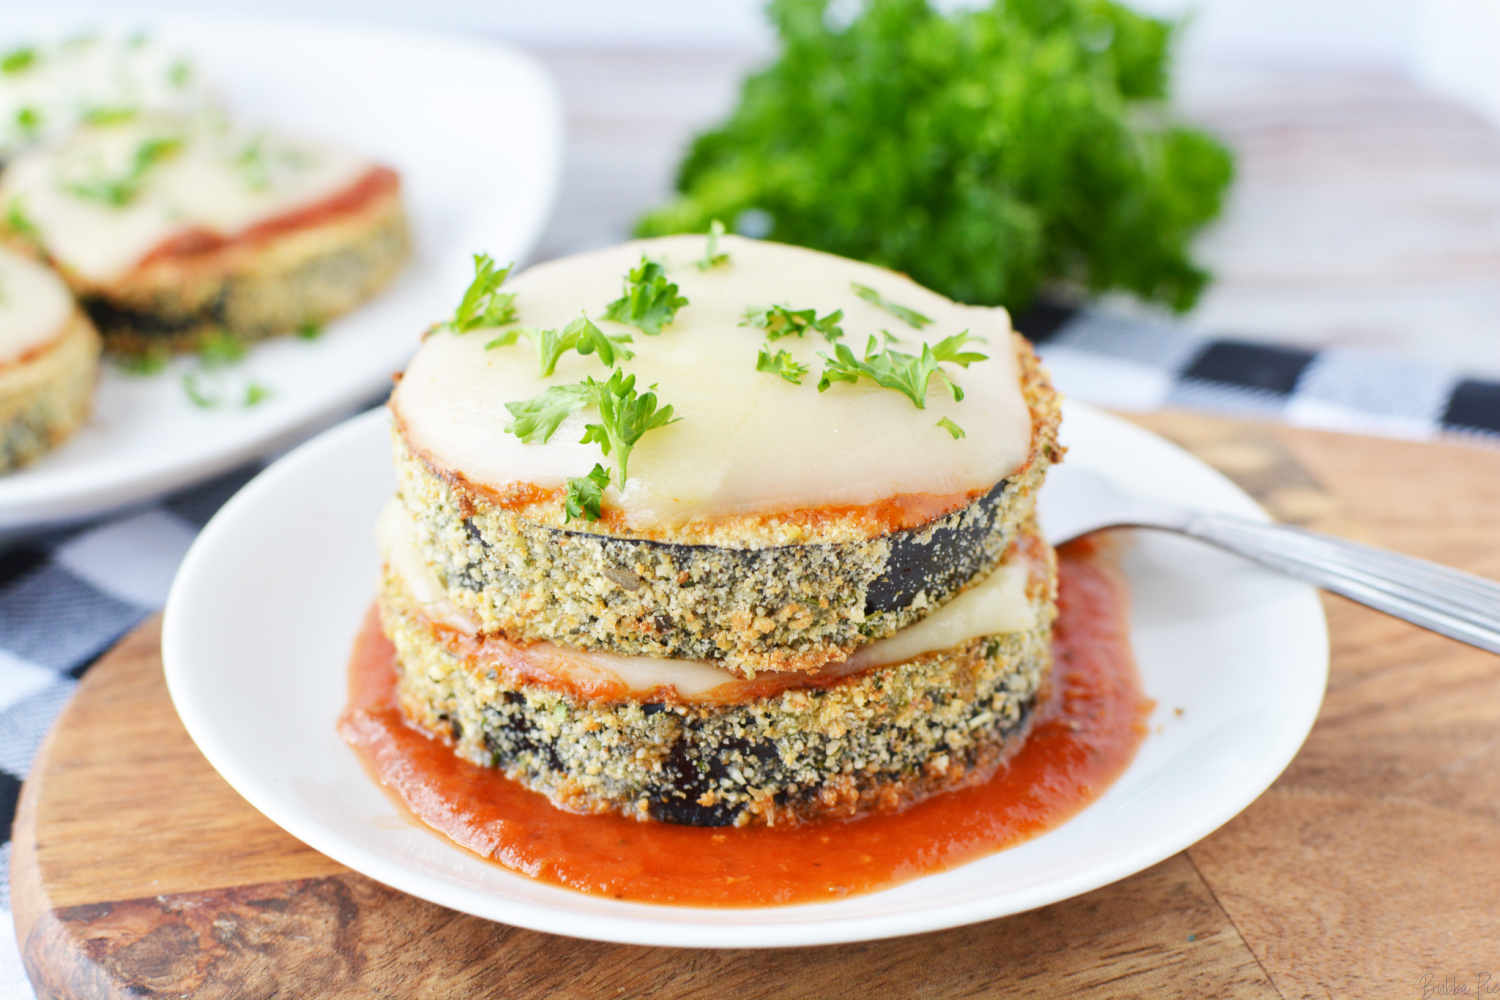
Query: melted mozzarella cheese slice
x,y
34,305
220,180
994,606
53,87
748,442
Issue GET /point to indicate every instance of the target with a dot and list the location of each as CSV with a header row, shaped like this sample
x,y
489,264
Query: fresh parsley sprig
x,y
1035,143
108,114
625,415
18,60
953,429
535,420
779,321
585,495
29,120
253,165
581,335
712,258
908,374
20,223
650,301
120,190
781,363
483,304
910,317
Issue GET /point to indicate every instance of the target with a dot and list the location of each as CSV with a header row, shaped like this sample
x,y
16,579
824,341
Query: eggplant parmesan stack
x,y
719,532
170,230
49,359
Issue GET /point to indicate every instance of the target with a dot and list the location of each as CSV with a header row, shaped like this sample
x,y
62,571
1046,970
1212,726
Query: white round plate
x,y
475,131
261,618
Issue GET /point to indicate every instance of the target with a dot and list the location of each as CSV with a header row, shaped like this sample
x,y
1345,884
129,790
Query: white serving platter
x,y
261,619
475,130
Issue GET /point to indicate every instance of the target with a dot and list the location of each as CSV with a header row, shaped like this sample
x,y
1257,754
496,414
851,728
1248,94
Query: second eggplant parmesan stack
x,y
171,229
720,531
49,361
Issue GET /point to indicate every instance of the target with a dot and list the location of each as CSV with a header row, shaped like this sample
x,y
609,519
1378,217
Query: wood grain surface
x,y
1370,869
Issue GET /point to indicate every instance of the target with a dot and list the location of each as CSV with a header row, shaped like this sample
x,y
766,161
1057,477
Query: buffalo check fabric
x,y
66,597
1130,364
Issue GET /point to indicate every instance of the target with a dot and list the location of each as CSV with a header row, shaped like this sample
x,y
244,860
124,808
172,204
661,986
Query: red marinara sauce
x,y
1080,742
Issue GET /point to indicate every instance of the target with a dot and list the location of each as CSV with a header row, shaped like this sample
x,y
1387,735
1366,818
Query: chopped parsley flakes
x,y
952,428
121,189
624,415
581,335
483,304
18,60
779,321
650,301
910,317
585,495
712,258
781,363
908,374
18,222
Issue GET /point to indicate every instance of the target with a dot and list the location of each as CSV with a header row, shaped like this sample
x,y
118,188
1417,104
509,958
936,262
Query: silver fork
x,y
1454,603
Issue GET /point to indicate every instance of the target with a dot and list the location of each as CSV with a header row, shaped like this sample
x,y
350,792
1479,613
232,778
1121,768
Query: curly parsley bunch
x,y
982,152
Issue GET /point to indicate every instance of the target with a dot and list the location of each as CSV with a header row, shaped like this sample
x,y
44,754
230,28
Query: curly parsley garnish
x,y
535,420
581,335
108,114
624,415
908,374
253,166
1032,142
219,348
650,301
585,495
18,60
780,363
122,189
151,362
200,397
910,317
952,428
712,258
29,120
18,222
779,321
483,304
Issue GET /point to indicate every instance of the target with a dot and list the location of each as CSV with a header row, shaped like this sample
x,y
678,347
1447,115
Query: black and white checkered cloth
x,y
66,597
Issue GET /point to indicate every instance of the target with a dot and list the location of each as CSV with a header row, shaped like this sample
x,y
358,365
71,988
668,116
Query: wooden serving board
x,y
1372,868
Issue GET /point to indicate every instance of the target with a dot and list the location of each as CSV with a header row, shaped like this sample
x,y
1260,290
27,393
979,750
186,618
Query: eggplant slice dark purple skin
x,y
746,607
816,598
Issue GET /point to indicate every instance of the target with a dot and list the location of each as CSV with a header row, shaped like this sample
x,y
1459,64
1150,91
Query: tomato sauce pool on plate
x,y
1081,740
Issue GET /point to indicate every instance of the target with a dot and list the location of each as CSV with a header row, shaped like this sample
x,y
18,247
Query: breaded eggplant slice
x,y
49,360
755,601
875,740
46,395
272,282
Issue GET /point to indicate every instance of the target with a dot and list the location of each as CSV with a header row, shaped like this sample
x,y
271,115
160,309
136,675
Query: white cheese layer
x,y
47,89
34,305
102,201
748,442
994,606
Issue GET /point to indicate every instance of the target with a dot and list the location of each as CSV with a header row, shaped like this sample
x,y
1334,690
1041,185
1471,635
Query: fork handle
x,y
1459,605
